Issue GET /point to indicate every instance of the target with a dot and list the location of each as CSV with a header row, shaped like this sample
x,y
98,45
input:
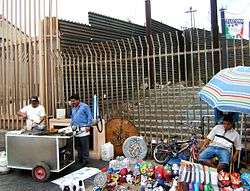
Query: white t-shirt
x,y
224,139
34,114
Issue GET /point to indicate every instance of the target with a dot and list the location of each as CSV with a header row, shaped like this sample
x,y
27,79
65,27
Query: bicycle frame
x,y
191,144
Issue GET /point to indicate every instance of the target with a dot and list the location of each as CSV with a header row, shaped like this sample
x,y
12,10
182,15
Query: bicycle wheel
x,y
162,153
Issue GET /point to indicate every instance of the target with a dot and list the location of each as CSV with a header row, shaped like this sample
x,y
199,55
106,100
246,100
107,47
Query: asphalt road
x,y
21,180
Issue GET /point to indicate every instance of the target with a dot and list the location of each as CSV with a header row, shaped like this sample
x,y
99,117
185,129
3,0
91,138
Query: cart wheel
x,y
41,172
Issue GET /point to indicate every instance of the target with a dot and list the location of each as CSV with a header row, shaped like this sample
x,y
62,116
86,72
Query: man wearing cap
x,y
34,113
81,121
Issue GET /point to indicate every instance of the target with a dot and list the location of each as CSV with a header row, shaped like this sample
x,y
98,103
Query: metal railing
x,y
119,72
153,81
27,38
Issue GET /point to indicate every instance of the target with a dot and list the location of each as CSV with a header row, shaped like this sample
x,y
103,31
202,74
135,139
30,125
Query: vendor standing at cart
x,y
34,113
220,143
81,121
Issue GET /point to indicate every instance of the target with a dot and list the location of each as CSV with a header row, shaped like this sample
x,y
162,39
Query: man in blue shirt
x,y
81,121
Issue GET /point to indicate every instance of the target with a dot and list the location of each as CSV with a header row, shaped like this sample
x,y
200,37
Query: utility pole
x,y
223,44
223,19
192,17
215,34
148,18
214,23
148,34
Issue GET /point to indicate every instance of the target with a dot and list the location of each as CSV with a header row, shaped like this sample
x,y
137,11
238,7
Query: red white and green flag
x,y
234,28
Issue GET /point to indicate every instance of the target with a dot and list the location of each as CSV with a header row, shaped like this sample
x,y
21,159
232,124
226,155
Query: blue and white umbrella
x,y
229,90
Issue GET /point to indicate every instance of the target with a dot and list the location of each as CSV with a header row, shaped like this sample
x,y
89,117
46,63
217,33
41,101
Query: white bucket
x,y
107,151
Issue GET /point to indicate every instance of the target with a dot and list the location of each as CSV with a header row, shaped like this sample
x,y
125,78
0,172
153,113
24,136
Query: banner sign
x,y
234,28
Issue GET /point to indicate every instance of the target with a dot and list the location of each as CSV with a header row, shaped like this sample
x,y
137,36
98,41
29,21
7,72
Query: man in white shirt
x,y
34,113
221,141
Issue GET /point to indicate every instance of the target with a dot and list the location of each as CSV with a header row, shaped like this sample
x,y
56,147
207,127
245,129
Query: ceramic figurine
x,y
168,173
144,180
175,169
149,187
174,186
159,172
158,188
130,178
123,172
150,169
143,168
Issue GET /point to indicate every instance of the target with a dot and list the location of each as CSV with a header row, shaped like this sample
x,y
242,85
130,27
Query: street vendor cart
x,y
40,153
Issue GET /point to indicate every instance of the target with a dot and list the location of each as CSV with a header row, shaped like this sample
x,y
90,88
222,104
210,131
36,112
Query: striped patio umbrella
x,y
229,90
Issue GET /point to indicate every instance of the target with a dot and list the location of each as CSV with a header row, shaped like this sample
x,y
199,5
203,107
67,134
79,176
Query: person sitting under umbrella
x,y
220,142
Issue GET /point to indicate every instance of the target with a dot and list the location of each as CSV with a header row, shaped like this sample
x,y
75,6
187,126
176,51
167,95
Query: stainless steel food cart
x,y
40,153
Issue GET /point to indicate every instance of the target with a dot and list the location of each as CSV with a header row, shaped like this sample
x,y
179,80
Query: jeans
x,y
82,147
212,151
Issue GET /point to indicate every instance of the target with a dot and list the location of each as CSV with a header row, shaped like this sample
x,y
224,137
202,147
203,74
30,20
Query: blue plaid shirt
x,y
81,115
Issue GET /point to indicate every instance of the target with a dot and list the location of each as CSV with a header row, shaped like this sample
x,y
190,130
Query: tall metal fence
x,y
153,81
27,40
154,87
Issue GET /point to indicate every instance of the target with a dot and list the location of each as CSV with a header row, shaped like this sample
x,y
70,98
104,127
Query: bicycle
x,y
164,152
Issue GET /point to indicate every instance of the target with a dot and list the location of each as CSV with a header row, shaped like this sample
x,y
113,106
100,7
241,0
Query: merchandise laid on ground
x,y
130,172
124,174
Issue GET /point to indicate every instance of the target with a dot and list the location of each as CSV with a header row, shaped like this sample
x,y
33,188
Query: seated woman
x,y
220,142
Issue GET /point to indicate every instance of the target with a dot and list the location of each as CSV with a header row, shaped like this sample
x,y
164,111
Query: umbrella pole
x,y
241,128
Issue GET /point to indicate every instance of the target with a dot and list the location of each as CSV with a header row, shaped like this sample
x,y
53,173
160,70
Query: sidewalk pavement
x,y
21,180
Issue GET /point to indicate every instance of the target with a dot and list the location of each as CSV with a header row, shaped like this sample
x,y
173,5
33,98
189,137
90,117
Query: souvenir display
x,y
128,174
197,176
135,148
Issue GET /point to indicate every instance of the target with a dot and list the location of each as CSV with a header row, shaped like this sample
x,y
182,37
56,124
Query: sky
x,y
169,12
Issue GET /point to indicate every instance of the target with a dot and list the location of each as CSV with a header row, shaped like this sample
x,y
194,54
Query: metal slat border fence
x,y
153,81
119,72
28,37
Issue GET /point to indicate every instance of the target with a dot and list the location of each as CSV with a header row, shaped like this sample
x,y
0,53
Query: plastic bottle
x,y
66,188
81,186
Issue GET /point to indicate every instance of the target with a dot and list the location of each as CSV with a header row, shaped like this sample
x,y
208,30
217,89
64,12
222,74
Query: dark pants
x,y
82,147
